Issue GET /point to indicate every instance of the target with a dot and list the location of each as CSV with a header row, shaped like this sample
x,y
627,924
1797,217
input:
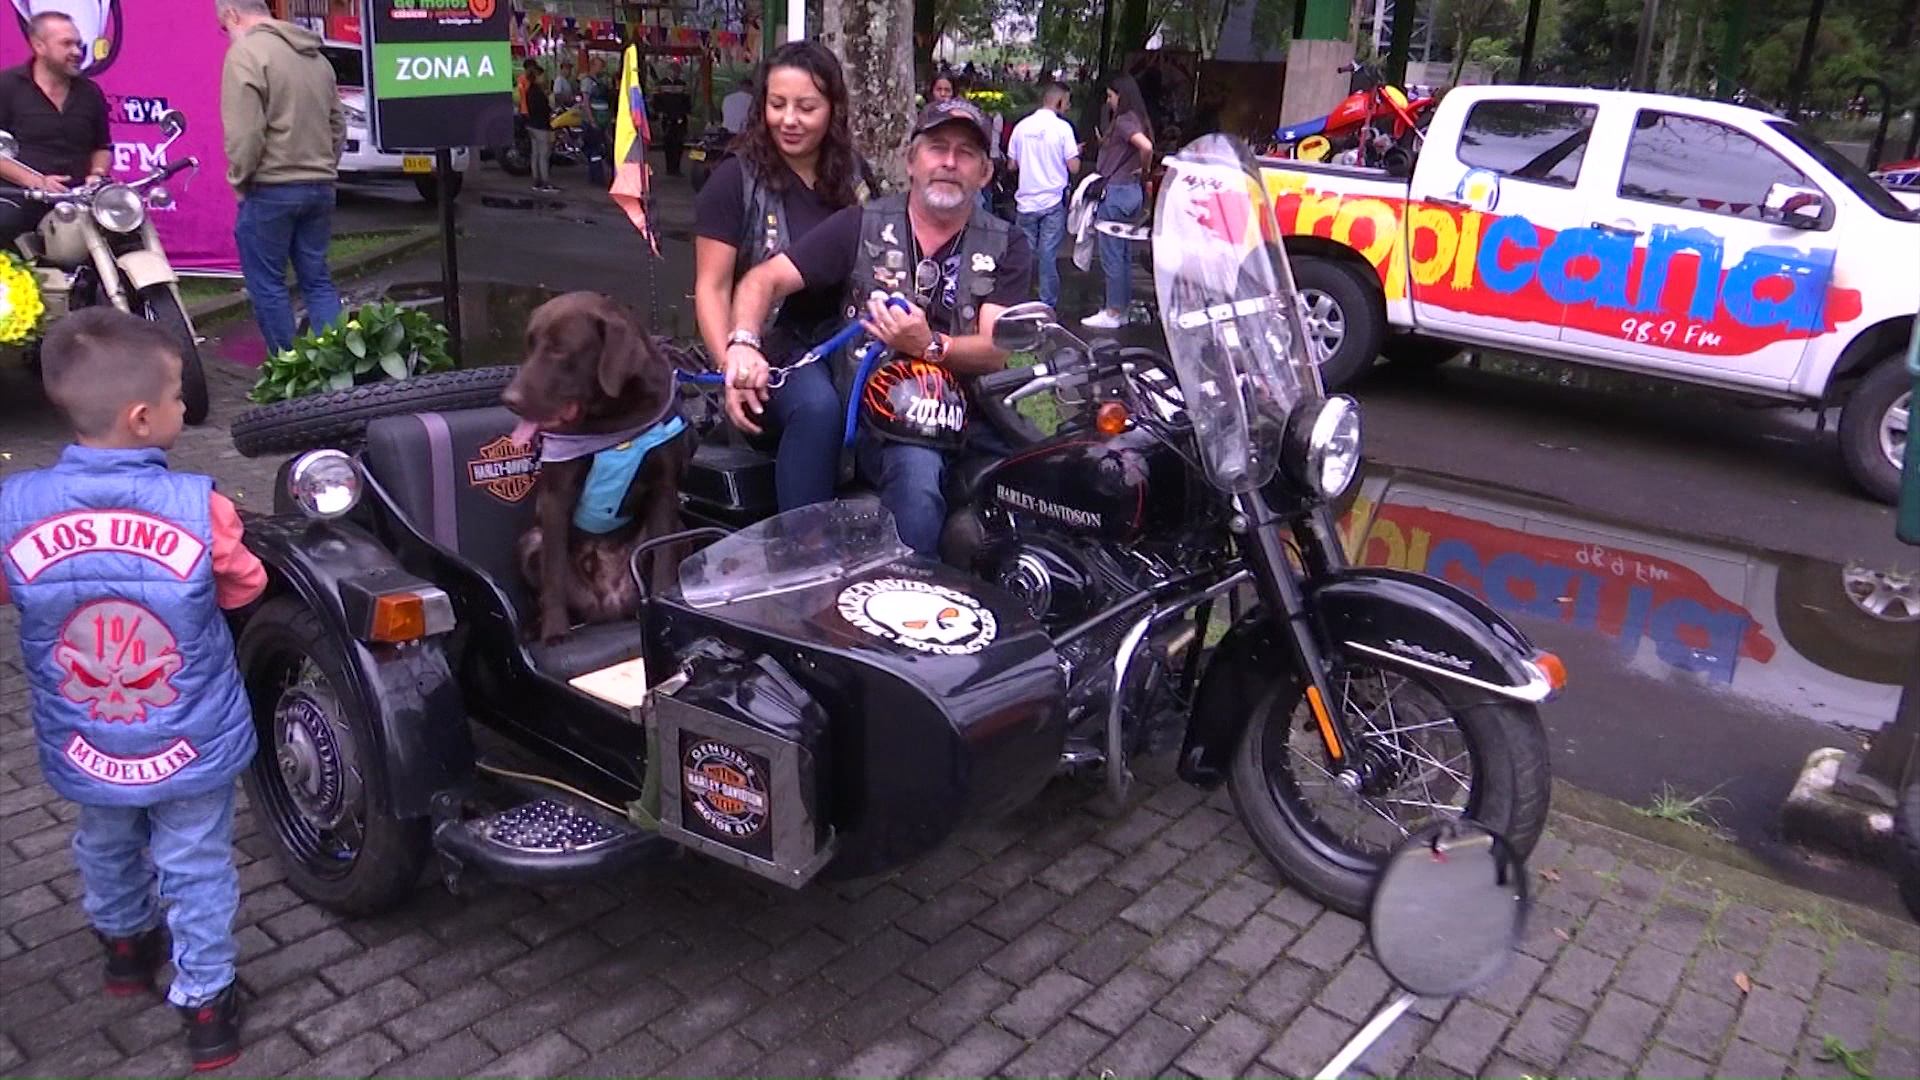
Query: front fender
x,y
145,267
409,693
1408,621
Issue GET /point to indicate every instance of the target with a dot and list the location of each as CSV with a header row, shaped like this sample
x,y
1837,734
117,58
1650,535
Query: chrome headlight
x,y
1323,447
118,208
324,483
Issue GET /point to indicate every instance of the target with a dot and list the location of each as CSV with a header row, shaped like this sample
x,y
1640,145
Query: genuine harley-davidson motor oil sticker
x,y
919,615
725,790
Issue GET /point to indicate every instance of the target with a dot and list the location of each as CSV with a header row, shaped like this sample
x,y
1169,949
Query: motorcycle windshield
x,y
795,550
1230,310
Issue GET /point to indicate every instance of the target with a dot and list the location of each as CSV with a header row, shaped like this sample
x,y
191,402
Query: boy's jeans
x,y
279,222
191,841
1045,230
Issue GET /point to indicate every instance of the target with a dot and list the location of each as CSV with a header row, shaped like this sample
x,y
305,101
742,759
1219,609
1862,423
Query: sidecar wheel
x,y
1435,749
308,784
339,418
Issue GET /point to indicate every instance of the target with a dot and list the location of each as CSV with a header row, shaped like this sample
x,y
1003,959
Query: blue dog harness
x,y
612,471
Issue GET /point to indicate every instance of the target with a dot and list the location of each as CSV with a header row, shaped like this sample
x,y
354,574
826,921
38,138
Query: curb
x,y
1710,860
209,311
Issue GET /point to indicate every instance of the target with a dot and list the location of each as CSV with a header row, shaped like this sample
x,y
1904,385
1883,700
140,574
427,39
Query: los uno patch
x,y
121,532
919,615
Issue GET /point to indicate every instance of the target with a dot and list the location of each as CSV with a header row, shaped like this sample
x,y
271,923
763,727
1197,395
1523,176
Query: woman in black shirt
x,y
1126,153
791,169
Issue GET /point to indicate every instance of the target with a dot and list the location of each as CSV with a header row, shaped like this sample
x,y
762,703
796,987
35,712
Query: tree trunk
x,y
1694,50
1670,51
924,39
874,41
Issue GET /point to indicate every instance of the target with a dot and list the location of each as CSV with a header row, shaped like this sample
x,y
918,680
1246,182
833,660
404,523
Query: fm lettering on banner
x,y
146,58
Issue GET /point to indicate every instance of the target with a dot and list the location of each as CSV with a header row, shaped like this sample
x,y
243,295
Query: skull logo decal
x,y
120,660
919,615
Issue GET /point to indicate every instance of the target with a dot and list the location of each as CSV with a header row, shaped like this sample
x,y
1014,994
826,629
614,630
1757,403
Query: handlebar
x,y
1008,380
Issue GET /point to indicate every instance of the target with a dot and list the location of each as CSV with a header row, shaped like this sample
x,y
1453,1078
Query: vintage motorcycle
x,y
714,146
813,700
98,246
1377,126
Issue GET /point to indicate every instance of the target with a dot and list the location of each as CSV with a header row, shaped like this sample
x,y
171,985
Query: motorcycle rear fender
x,y
145,268
1412,622
409,693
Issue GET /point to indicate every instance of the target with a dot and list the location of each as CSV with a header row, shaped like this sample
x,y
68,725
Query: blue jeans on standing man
x,y
190,867
1122,202
279,222
1045,230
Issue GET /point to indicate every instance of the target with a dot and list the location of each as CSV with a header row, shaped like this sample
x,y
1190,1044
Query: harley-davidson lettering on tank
x,y
1082,484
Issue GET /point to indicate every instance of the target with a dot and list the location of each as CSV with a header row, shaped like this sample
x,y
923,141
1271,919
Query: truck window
x,y
1540,141
1701,165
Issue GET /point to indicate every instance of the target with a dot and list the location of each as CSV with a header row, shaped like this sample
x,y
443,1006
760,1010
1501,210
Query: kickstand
x,y
1368,1035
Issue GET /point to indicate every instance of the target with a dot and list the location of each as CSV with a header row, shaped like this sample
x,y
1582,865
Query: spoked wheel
x,y
309,780
1429,751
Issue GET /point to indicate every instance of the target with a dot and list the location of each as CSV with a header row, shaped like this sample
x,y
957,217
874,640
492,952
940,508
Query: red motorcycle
x,y
1377,126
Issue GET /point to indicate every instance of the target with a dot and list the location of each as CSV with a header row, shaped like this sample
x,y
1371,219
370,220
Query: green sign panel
x,y
1909,521
439,72
444,69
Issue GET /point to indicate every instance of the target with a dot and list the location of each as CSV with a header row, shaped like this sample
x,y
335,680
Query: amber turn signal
x,y
1553,668
1112,418
399,617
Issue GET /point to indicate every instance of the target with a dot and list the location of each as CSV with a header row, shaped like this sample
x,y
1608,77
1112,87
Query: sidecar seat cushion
x,y
462,483
589,648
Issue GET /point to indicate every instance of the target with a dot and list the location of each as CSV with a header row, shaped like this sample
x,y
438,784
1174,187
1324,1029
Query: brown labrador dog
x,y
592,370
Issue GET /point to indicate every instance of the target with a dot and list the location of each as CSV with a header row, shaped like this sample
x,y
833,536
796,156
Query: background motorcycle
x,y
566,148
703,157
1378,126
97,245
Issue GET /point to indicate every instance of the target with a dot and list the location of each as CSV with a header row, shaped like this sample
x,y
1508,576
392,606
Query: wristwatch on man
x,y
937,352
745,337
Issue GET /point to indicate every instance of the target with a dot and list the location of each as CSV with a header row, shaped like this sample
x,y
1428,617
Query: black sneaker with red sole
x,y
213,1030
132,962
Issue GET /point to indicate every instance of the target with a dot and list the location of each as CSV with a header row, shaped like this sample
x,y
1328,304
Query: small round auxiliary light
x,y
1111,418
324,483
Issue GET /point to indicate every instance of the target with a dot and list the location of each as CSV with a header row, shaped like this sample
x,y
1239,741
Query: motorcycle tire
x,y
339,418
1356,303
1906,846
515,161
697,173
1508,790
373,864
158,305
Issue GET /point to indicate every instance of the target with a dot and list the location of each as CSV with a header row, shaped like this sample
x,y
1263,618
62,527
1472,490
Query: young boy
x,y
119,569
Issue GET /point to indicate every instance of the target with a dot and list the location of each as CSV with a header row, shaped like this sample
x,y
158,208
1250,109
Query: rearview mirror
x,y
173,123
1022,327
1794,207
1447,915
9,146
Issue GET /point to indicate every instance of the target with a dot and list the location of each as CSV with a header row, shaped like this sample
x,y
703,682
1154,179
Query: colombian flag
x,y
631,137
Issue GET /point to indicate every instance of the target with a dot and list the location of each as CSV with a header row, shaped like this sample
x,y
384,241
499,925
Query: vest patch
x,y
125,532
119,660
130,772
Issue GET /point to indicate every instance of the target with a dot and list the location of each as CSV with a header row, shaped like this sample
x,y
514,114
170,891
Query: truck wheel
x,y
1346,318
339,418
1873,429
429,187
158,305
309,781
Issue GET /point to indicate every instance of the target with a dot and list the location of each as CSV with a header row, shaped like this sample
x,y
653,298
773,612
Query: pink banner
x,y
148,56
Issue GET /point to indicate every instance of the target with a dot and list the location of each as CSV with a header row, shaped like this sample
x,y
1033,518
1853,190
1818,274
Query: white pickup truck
x,y
1684,239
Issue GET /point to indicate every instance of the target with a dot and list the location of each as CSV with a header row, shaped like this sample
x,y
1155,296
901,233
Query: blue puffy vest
x,y
137,699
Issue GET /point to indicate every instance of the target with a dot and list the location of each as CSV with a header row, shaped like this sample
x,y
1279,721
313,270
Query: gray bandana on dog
x,y
555,446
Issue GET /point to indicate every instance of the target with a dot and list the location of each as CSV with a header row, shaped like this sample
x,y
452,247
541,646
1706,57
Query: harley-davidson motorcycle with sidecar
x,y
1163,573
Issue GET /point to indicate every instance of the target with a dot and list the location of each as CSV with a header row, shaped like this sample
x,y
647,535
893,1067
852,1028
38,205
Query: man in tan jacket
x,y
284,132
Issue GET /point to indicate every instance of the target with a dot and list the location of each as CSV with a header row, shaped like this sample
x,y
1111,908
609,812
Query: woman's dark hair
x,y
839,169
1132,101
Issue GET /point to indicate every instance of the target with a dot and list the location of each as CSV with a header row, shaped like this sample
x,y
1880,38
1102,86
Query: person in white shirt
x,y
1046,153
735,107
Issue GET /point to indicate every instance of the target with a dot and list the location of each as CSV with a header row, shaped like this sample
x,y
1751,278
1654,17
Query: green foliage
x,y
379,341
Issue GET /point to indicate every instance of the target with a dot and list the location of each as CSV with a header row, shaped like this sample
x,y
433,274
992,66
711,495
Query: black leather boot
x,y
213,1030
132,962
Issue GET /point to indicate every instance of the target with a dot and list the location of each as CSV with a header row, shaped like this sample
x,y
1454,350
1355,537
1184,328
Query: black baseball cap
x,y
954,110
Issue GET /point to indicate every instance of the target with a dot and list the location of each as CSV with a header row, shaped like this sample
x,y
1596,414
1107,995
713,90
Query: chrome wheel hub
x,y
1894,427
313,757
1326,324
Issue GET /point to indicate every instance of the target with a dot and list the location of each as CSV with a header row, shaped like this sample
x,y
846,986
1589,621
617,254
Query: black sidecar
x,y
820,701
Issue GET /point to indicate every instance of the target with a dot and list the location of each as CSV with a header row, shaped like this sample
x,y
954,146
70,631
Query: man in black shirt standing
x,y
59,119
957,265
674,105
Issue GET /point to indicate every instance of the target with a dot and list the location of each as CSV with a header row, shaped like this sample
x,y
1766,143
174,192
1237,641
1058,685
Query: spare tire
x,y
339,418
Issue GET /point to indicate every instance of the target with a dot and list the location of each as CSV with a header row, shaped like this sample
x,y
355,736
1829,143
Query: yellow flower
x,y
20,305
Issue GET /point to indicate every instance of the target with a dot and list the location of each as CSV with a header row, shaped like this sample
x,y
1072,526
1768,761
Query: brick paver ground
x,y
1058,943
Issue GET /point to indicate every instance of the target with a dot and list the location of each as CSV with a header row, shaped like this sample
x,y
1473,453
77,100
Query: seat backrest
x,y
462,484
